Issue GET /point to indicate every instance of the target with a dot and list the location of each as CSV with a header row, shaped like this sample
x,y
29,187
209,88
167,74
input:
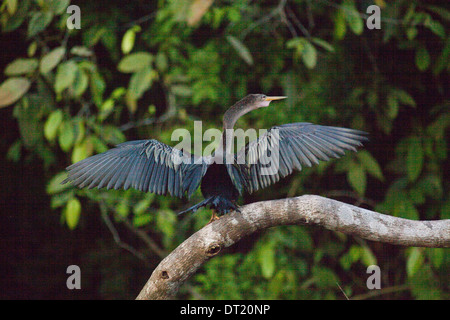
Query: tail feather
x,y
220,204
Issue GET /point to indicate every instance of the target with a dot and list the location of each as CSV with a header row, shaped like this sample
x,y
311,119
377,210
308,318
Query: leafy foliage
x,y
147,69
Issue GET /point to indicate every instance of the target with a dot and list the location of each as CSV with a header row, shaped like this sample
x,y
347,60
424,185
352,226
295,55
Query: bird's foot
x,y
214,217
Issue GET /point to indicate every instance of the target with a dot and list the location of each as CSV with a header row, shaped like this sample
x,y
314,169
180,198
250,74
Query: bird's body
x,y
151,166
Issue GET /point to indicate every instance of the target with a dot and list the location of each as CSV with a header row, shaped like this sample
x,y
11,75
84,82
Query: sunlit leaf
x,y
72,213
128,41
11,6
266,259
52,124
21,66
82,150
66,136
12,90
65,75
197,10
141,81
135,62
51,59
81,51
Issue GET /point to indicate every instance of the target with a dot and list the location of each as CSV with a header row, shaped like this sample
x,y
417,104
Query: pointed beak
x,y
275,98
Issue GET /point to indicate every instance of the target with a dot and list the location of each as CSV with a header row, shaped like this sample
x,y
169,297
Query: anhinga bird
x,y
151,166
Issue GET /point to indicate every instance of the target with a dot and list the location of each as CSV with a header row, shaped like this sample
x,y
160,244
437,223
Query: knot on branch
x,y
213,249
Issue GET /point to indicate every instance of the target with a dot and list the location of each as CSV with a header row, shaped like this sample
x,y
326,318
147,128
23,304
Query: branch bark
x,y
185,260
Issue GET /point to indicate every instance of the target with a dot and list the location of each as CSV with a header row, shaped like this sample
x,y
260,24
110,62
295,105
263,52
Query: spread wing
x,y
145,165
279,151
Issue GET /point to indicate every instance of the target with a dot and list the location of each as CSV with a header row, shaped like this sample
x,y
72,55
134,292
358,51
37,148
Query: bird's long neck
x,y
230,118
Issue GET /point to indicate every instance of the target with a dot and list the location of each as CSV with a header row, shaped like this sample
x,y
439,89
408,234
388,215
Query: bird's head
x,y
260,100
245,105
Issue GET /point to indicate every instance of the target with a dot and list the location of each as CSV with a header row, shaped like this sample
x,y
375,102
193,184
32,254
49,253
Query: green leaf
x,y
352,16
65,76
142,220
82,151
353,255
141,81
81,51
324,277
241,49
424,285
304,50
39,21
266,259
81,83
435,27
422,58
12,90
15,20
414,158
52,124
72,213
393,106
356,176
165,221
322,43
414,261
135,62
367,256
404,97
55,186
128,39
436,256
370,164
51,59
58,6
11,6
141,207
112,134
97,86
66,136
21,66
309,55
340,27
15,151
106,108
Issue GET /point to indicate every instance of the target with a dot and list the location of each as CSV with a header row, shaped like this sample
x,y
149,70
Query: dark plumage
x,y
152,166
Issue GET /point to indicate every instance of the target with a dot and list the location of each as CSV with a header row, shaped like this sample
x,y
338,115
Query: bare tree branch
x,y
184,261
